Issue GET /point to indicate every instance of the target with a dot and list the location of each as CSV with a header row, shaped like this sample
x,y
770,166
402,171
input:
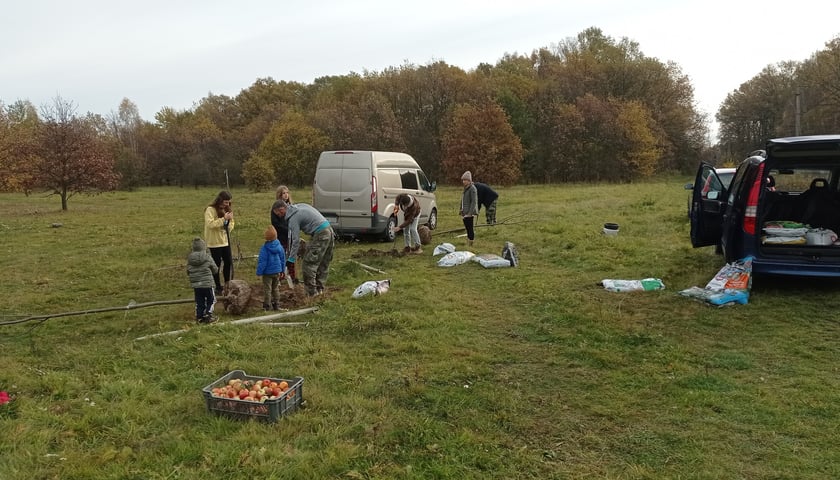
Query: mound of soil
x,y
241,297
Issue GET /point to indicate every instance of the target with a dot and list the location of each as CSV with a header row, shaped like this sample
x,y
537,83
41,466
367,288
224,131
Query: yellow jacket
x,y
214,228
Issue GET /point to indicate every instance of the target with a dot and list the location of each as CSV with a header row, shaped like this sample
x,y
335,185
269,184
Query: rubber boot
x,y
266,307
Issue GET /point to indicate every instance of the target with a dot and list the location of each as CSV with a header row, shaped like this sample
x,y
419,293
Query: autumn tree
x,y
422,98
480,139
512,82
287,154
595,64
126,127
363,121
754,112
598,139
72,156
818,88
18,127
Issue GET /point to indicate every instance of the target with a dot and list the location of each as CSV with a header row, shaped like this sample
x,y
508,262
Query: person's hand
x,y
281,276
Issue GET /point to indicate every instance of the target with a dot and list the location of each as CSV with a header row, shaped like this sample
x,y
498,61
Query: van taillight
x,y
374,206
752,202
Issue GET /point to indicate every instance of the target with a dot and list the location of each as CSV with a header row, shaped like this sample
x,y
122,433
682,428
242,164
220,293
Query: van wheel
x,y
432,224
389,235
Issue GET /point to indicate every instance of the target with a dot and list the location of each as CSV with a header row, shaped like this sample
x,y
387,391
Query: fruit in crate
x,y
250,391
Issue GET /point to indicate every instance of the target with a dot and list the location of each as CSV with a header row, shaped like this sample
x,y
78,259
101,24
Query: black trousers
x,y
223,256
468,223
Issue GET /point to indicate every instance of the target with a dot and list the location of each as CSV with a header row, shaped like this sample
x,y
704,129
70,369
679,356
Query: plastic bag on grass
x,y
443,248
509,252
646,285
455,258
375,287
729,286
491,260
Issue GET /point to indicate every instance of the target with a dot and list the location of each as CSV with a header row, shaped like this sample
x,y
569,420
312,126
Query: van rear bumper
x,y
377,226
795,260
798,269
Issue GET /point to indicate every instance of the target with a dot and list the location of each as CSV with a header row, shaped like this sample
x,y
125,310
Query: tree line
x,y
785,99
589,109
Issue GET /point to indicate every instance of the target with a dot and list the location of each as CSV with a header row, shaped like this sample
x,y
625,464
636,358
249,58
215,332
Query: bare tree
x,y
72,156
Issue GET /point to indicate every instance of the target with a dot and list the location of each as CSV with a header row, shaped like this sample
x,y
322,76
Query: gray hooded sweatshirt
x,y
200,265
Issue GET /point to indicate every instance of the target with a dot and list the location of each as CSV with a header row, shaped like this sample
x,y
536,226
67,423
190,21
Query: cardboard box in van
x,y
355,191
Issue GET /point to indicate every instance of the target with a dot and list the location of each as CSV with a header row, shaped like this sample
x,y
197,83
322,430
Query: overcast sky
x,y
173,53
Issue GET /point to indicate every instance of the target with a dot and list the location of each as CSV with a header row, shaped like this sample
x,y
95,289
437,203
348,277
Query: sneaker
x,y
209,318
407,250
418,250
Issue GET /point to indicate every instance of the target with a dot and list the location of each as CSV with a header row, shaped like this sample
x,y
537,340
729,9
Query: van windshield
x,y
425,184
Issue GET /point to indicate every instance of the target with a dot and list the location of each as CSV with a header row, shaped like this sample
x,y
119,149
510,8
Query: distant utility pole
x,y
798,109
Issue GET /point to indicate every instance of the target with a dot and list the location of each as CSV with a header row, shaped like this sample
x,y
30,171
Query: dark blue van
x,y
782,208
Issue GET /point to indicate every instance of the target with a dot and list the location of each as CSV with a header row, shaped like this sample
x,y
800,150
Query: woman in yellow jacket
x,y
218,223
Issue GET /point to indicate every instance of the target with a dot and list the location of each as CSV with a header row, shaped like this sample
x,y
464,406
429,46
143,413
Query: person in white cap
x,y
469,206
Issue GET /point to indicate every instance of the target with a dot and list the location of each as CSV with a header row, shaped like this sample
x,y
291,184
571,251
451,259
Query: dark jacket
x,y
272,258
410,208
279,223
486,195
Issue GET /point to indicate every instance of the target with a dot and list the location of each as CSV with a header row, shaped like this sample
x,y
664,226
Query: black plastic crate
x,y
268,411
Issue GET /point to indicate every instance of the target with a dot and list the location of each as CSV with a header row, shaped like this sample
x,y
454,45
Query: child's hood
x,y
275,247
198,245
197,258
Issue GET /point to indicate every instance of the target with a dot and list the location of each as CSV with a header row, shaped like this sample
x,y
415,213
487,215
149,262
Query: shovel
x,y
288,278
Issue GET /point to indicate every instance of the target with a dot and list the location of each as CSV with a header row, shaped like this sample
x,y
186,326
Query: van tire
x,y
432,223
389,234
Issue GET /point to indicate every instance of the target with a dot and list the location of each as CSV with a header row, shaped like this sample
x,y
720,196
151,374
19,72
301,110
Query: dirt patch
x,y
241,297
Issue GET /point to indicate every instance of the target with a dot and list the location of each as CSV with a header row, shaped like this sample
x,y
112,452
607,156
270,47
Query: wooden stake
x,y
240,321
368,267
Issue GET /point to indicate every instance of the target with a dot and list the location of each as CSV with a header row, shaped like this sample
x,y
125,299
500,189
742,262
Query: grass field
x,y
463,372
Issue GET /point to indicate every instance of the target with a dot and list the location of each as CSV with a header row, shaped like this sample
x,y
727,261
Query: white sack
x,y
455,258
375,287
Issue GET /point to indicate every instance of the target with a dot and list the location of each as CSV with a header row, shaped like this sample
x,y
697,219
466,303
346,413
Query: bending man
x,y
304,218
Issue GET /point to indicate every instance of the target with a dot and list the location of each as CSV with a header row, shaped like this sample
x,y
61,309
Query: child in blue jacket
x,y
270,265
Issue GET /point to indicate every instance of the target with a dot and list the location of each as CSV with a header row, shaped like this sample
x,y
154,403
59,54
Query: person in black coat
x,y
487,197
282,227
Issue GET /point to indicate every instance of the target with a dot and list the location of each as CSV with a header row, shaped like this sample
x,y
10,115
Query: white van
x,y
355,191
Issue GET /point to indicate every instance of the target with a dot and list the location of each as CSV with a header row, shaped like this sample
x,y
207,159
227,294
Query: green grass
x,y
462,372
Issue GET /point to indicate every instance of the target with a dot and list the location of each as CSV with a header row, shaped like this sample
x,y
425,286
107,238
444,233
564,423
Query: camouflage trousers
x,y
490,213
316,261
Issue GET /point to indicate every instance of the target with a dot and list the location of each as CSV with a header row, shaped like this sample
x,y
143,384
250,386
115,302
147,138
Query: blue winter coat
x,y
272,258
